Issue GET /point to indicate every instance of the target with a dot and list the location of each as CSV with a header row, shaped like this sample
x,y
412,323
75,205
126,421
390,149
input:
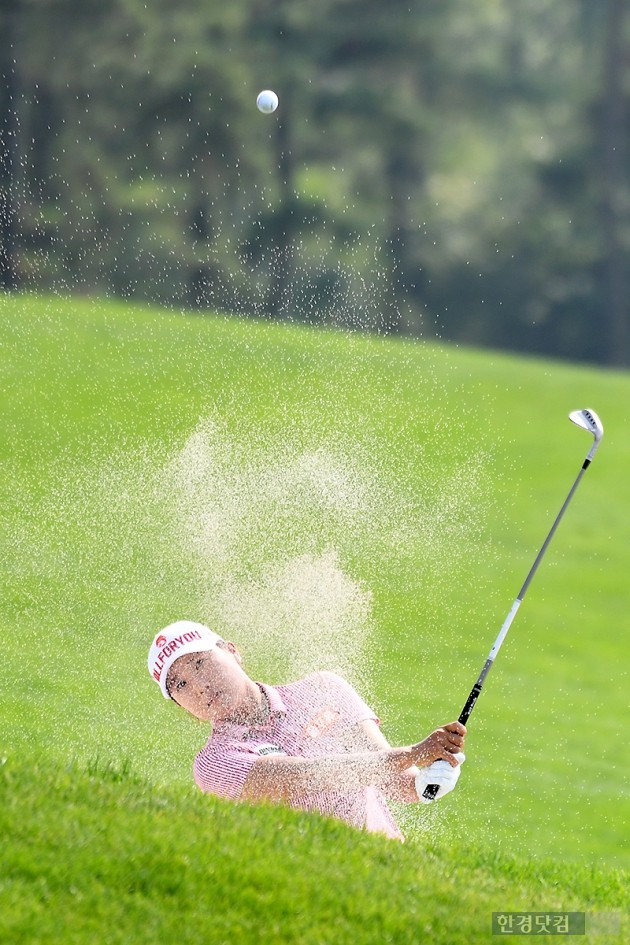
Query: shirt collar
x,y
276,708
276,705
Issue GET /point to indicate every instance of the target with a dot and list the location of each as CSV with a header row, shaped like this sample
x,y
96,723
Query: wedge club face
x,y
588,420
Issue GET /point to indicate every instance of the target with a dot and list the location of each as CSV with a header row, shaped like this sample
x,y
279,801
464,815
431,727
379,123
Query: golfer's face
x,y
209,685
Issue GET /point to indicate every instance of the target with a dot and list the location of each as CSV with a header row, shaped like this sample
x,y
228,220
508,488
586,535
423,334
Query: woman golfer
x,y
312,744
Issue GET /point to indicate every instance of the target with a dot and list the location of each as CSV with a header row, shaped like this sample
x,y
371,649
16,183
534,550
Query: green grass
x,y
94,856
419,481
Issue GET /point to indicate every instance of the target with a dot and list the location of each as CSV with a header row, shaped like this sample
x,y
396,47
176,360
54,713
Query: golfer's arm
x,y
284,778
402,787
370,760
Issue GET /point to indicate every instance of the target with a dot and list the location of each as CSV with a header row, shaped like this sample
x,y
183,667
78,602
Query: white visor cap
x,y
174,641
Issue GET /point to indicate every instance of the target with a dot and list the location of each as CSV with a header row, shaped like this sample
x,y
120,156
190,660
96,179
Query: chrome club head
x,y
588,420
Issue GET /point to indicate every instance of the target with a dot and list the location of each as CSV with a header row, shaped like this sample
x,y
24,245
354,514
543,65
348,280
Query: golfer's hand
x,y
440,773
443,743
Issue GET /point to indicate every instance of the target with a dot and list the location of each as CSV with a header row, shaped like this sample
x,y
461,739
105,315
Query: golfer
x,y
312,744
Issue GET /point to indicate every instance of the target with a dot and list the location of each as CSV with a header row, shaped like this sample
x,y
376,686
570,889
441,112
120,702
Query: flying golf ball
x,y
267,101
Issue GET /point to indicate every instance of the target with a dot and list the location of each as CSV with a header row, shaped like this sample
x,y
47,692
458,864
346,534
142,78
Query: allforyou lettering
x,y
171,648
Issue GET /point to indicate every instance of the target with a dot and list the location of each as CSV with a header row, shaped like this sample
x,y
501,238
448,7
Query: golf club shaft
x,y
431,789
474,693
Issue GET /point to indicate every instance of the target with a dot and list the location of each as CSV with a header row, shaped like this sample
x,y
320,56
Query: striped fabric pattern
x,y
310,718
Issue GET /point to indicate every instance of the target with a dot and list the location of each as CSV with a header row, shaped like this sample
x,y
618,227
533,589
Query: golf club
x,y
588,420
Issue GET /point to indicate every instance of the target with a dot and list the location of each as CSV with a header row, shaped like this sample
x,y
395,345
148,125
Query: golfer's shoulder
x,y
328,684
325,678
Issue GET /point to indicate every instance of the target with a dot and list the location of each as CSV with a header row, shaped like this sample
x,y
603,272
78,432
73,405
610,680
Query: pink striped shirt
x,y
310,718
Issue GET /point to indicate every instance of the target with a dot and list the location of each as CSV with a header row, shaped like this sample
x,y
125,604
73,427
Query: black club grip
x,y
431,790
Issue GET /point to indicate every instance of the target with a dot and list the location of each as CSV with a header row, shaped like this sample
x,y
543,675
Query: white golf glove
x,y
441,773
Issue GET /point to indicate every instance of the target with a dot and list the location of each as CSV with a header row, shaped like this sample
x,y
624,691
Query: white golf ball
x,y
267,101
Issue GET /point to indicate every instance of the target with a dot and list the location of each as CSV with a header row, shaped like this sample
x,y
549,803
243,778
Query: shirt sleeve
x,y
222,769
